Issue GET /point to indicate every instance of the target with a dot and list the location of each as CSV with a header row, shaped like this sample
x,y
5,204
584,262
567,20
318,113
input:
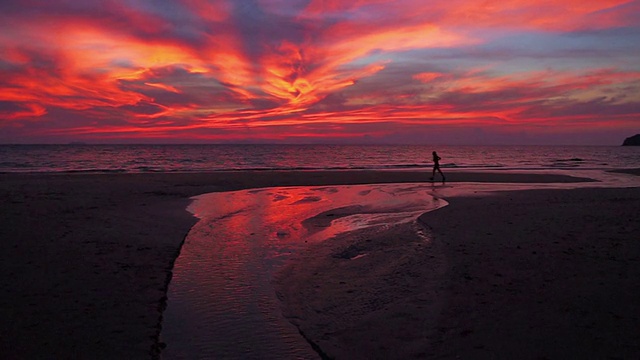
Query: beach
x,y
87,258
548,274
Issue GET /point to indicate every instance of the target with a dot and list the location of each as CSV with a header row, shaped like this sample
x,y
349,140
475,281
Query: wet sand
x,y
540,274
86,259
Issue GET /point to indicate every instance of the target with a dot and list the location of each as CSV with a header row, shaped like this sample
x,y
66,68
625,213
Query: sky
x,y
320,71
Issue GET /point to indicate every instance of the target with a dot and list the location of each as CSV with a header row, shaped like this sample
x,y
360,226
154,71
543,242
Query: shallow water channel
x,y
222,304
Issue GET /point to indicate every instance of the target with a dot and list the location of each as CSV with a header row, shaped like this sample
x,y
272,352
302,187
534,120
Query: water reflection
x,y
221,301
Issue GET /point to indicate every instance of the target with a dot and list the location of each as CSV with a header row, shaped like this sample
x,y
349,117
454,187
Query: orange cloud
x,y
201,67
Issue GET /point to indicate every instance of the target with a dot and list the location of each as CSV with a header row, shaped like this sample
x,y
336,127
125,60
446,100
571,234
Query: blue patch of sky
x,y
172,11
525,52
564,51
288,8
10,66
452,60
547,44
123,63
374,57
518,52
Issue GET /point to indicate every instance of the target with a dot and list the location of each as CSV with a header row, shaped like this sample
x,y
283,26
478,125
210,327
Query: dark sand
x,y
86,259
540,274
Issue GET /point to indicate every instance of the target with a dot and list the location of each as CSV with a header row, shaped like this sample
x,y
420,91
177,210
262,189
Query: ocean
x,y
198,158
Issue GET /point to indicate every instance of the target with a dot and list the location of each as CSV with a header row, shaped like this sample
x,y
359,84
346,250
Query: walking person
x,y
436,166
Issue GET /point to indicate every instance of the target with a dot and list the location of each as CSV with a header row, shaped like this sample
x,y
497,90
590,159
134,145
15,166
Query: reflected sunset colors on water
x,y
221,301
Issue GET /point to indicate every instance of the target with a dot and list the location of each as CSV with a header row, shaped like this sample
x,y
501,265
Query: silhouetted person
x,y
436,166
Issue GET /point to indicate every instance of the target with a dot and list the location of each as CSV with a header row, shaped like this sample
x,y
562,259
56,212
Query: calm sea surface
x,y
189,158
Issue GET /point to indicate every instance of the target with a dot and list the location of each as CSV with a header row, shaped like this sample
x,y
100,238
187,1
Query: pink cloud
x,y
337,69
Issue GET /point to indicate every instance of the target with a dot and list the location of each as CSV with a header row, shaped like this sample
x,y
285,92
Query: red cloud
x,y
199,68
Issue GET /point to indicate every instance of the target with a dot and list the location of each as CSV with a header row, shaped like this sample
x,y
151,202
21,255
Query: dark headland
x,y
632,141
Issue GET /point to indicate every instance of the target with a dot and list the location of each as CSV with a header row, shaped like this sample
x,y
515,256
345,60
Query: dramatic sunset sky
x,y
320,71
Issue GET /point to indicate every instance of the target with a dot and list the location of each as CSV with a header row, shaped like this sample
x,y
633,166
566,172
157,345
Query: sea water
x,y
198,158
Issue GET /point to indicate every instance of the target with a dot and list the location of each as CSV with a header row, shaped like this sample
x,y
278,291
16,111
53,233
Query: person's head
x,y
434,153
